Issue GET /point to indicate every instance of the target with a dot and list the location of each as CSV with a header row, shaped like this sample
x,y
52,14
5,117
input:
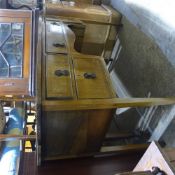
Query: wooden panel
x,y
82,11
124,148
96,87
59,130
55,41
74,132
98,124
17,98
15,13
58,86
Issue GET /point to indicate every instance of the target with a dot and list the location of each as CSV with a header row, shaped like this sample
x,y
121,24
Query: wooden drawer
x,y
92,81
58,77
55,40
75,132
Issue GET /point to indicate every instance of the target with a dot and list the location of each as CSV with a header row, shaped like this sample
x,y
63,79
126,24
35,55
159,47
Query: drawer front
x,y
55,40
91,79
58,77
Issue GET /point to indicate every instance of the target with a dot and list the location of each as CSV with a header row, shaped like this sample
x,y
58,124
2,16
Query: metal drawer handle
x,y
60,73
88,75
58,44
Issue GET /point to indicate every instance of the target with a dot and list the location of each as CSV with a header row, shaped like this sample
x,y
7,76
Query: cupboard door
x,y
91,79
73,133
58,77
15,52
55,41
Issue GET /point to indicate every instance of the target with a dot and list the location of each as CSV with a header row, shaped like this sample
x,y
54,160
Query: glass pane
x,y
3,67
11,50
5,30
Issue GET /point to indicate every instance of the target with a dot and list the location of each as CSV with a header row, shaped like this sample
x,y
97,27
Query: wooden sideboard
x,y
71,76
78,100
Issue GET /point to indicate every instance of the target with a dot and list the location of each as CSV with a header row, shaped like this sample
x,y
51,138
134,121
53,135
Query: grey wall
x,y
147,63
151,25
142,66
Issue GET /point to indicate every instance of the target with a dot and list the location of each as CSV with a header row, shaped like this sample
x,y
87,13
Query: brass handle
x,y
60,73
58,44
89,75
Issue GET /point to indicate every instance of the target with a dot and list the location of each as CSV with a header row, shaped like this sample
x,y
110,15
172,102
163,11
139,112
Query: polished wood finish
x,y
81,11
58,86
74,133
15,13
19,86
17,98
96,88
96,18
55,41
106,103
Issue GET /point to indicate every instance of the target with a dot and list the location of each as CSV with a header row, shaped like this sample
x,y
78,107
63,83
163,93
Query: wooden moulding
x,y
123,148
105,151
18,98
84,12
113,103
13,13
